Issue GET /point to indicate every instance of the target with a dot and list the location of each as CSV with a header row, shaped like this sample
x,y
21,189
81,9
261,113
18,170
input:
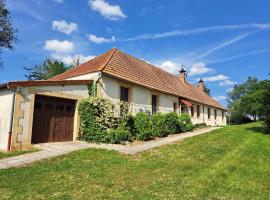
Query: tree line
x,y
250,101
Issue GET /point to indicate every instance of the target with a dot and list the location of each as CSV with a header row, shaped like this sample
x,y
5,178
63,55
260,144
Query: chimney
x,y
201,85
182,75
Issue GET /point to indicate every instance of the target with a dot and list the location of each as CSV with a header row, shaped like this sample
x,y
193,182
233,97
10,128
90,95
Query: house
x,y
46,111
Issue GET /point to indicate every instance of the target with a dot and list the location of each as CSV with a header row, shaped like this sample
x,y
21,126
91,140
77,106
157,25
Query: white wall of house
x,y
90,76
6,101
140,98
203,117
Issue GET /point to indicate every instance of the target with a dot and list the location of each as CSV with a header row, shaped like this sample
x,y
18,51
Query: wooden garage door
x,y
53,120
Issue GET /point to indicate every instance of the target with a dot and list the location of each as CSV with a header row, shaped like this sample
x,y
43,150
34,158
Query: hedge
x,y
143,126
97,123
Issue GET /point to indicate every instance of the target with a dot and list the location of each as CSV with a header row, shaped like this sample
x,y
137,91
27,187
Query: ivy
x,y
92,89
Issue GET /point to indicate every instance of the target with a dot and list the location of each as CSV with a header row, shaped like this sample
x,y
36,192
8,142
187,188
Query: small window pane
x,y
209,113
192,111
198,111
124,94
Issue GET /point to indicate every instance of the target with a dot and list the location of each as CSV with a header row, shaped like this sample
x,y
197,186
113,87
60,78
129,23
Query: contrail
x,y
195,31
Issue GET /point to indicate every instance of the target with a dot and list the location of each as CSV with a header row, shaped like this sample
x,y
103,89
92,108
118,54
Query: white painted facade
x,y
139,100
6,103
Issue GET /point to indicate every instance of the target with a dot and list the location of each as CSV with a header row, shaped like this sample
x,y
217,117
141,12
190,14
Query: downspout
x,y
95,83
11,120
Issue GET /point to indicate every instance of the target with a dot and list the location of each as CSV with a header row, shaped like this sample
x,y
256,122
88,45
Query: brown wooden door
x,y
53,120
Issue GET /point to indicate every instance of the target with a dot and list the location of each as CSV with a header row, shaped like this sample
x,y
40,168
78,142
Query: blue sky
x,y
222,42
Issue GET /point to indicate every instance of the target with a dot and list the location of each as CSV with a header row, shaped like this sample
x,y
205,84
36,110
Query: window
x,y
222,115
124,94
198,111
209,113
154,104
175,107
192,111
183,109
215,114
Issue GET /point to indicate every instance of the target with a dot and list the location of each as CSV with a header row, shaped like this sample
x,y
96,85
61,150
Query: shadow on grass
x,y
259,130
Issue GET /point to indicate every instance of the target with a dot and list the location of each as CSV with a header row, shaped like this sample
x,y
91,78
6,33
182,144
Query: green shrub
x,y
164,124
96,118
171,123
158,122
200,125
126,119
143,126
118,135
189,127
185,123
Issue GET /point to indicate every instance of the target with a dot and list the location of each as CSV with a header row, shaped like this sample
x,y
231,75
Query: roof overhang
x,y
185,102
15,84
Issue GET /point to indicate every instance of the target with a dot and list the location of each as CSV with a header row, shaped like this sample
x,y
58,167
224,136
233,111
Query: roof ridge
x,y
108,59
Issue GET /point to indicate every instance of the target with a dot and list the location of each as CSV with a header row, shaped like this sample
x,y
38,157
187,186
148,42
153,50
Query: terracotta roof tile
x,y
123,66
93,65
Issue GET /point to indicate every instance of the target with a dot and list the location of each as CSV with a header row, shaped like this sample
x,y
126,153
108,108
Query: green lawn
x,y
14,153
229,163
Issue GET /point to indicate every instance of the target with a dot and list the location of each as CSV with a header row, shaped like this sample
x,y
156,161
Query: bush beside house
x,y
97,123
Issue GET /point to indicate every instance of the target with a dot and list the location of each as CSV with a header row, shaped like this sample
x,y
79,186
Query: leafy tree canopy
x,y
7,32
250,99
48,69
206,90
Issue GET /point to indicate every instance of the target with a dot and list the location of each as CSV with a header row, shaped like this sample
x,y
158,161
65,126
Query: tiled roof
x,y
120,65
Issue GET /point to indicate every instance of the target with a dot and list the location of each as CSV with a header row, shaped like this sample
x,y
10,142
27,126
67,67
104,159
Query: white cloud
x,y
227,83
64,27
72,59
218,98
111,12
196,31
170,67
100,40
199,68
219,77
59,46
223,80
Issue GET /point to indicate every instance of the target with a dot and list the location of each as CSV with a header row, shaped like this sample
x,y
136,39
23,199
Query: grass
x,y
229,163
15,153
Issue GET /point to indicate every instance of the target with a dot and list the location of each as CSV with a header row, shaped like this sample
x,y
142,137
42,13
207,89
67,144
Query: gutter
x,y
7,86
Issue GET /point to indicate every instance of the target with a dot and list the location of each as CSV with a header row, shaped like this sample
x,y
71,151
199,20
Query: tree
x,y
266,104
250,100
48,69
7,32
206,90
